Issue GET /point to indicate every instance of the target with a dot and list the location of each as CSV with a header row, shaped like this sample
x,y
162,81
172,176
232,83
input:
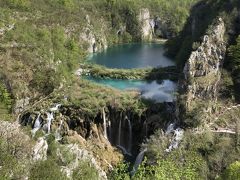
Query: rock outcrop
x,y
93,41
147,24
202,69
40,150
152,27
21,104
16,138
79,155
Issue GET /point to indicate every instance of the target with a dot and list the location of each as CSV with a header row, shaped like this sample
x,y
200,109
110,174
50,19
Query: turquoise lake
x,y
130,56
157,91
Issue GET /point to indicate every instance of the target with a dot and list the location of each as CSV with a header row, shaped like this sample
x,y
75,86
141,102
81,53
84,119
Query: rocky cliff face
x,y
146,23
93,41
152,26
202,69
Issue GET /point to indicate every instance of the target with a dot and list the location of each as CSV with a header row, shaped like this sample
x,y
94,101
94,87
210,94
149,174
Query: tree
x,y
47,170
234,54
232,172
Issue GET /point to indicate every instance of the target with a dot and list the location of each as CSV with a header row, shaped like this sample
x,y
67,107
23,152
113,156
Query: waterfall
x,y
109,131
119,131
130,135
146,128
170,128
37,125
138,161
58,136
178,135
49,121
124,151
104,124
55,108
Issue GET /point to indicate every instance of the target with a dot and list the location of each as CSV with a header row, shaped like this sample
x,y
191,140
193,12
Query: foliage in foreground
x,y
232,172
200,156
163,169
48,170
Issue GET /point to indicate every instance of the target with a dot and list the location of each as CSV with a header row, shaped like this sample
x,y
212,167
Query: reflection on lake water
x,y
157,91
128,56
141,55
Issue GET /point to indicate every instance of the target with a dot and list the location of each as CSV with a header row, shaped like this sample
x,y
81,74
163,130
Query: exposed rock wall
x,y
203,69
152,27
80,155
40,150
146,24
93,41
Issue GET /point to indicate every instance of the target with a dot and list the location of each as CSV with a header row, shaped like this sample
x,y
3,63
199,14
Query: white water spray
x,y
138,161
58,136
119,131
49,121
146,128
104,124
130,135
37,125
178,136
170,128
55,108
109,130
124,151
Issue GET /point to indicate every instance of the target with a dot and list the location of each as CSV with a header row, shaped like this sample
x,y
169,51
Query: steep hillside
x,y
54,124
42,44
207,53
51,38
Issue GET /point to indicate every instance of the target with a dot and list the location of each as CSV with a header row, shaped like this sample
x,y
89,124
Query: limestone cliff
x,y
203,69
94,41
152,27
147,24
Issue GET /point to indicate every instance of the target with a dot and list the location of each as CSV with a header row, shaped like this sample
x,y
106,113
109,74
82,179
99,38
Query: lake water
x,y
128,56
162,91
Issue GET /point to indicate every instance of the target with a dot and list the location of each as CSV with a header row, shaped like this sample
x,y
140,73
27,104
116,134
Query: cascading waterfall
x,y
130,135
55,108
145,128
49,121
124,151
58,136
138,161
178,135
109,130
170,128
122,148
119,132
37,125
104,124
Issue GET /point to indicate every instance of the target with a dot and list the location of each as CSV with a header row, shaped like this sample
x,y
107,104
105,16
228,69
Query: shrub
x,y
85,171
45,81
232,172
120,172
47,170
5,97
20,4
